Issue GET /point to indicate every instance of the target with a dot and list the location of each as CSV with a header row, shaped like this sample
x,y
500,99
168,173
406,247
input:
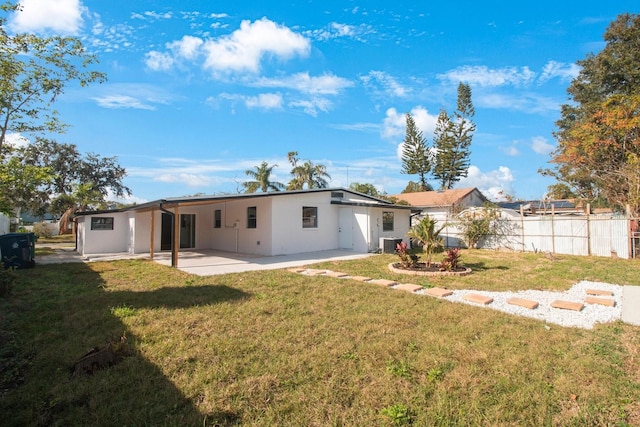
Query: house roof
x,y
437,198
206,199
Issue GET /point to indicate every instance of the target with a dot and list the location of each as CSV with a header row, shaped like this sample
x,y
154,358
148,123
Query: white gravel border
x,y
586,318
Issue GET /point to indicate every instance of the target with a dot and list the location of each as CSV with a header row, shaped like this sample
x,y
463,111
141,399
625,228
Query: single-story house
x,y
442,204
266,224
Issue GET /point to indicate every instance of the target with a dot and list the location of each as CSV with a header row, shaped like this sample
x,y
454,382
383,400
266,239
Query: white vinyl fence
x,y
572,235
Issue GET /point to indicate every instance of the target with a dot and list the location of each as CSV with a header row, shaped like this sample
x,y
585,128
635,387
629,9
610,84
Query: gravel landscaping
x,y
586,318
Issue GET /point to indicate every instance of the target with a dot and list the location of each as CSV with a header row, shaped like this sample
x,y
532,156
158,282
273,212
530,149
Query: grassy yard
x,y
279,348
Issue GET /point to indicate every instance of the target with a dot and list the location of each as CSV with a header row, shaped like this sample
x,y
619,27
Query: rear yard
x,y
280,348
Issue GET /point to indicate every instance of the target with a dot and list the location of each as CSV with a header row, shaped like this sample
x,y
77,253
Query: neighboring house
x,y
443,204
267,224
544,207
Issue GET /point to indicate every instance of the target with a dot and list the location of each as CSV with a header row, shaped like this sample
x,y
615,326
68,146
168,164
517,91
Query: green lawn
x,y
279,348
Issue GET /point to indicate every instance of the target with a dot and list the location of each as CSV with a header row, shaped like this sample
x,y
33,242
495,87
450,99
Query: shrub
x,y
40,229
476,224
407,260
425,234
451,260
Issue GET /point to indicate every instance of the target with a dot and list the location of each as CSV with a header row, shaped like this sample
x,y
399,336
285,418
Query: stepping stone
x,y
567,305
384,282
297,270
477,298
409,287
526,303
602,301
336,274
599,292
313,272
438,292
361,278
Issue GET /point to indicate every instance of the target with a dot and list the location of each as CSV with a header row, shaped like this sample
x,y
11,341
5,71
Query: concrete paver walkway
x,y
631,305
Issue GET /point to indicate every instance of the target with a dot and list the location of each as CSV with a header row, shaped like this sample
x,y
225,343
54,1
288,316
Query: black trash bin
x,y
18,250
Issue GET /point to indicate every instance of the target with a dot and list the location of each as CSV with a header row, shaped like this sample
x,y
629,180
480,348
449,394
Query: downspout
x,y
173,232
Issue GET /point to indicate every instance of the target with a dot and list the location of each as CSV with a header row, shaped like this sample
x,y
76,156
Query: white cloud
x,y
59,16
384,84
481,75
158,61
16,140
540,145
122,101
395,123
512,151
190,179
327,84
187,47
267,101
137,96
245,48
336,30
495,184
526,102
565,72
313,105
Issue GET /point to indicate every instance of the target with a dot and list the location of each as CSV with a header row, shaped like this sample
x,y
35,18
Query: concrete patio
x,y
210,262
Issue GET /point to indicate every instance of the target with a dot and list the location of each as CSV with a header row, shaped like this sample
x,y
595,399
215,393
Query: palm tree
x,y
425,234
313,176
261,175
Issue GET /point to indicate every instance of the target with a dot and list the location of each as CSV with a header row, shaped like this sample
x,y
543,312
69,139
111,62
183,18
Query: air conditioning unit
x,y
388,244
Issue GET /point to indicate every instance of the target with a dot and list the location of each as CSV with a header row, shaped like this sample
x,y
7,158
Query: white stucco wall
x,y
290,237
234,235
104,241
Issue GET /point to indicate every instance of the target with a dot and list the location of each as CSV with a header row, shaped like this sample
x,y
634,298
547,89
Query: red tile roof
x,y
435,198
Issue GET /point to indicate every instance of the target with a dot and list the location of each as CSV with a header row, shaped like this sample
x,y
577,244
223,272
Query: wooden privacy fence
x,y
572,235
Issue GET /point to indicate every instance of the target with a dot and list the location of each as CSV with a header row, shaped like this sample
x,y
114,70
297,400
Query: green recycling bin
x,y
18,250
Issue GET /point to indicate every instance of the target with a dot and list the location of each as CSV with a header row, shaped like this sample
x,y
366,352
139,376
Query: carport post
x,y
152,233
174,252
175,242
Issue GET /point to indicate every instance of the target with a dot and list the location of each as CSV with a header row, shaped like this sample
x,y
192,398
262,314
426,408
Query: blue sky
x,y
200,91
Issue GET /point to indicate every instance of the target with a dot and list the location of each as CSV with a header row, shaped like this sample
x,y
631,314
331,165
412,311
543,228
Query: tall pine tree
x,y
452,140
416,157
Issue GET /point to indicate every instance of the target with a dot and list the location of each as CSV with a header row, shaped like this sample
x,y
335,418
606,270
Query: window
x,y
309,217
252,217
102,223
387,221
217,218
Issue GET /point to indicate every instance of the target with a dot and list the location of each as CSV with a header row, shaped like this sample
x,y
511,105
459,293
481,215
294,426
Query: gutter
x,y
173,232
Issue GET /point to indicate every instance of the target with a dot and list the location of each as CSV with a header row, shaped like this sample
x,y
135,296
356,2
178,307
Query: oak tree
x,y
598,132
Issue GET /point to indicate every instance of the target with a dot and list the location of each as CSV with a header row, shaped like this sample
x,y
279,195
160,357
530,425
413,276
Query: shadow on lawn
x,y
481,266
59,311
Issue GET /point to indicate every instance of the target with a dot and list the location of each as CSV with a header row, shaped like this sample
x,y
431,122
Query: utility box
x,y
388,244
18,250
